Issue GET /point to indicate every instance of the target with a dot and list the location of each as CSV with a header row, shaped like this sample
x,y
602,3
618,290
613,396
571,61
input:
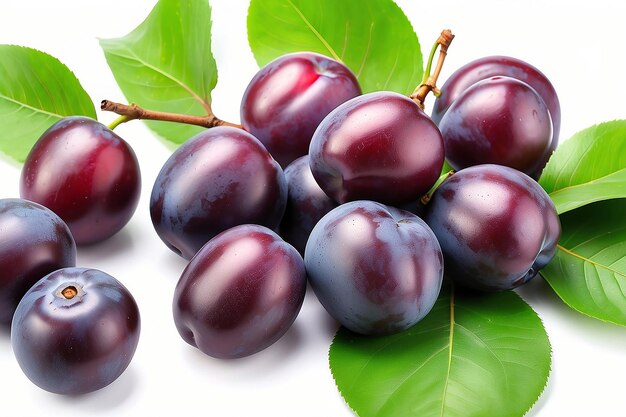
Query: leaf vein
x,y
29,107
367,51
591,261
315,32
450,345
133,55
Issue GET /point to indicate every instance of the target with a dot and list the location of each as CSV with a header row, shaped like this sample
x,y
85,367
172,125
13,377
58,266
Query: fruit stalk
x,y
426,197
429,83
133,111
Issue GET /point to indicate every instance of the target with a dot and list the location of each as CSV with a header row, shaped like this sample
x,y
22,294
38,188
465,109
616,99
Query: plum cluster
x,y
321,184
339,176
73,330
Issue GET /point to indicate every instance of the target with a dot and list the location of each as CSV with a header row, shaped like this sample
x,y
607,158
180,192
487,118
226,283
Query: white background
x,y
579,45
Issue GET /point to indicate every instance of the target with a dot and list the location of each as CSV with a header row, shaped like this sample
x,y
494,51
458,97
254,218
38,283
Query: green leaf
x,y
471,356
166,64
589,167
36,90
373,38
589,270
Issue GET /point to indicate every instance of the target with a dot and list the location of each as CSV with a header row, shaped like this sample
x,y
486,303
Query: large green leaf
x,y
471,356
589,167
589,269
36,90
166,64
374,38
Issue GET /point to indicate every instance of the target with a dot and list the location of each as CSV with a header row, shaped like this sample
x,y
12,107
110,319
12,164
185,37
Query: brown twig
x,y
430,84
133,111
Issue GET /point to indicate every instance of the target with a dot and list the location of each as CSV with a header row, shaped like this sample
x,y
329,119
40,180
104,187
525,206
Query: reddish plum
x,y
499,120
289,97
240,293
486,67
496,226
379,146
86,174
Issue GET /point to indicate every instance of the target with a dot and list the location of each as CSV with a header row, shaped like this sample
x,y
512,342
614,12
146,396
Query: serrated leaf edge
x,y
132,56
336,56
589,144
582,184
596,265
41,111
450,347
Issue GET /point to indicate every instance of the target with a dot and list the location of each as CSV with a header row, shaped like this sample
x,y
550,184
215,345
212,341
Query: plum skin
x,y
496,226
287,98
75,331
86,174
486,67
306,204
218,179
497,65
379,146
376,269
499,120
34,241
240,293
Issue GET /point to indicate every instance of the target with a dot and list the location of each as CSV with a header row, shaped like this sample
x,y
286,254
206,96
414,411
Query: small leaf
x,y
373,38
589,167
36,90
472,355
166,64
589,269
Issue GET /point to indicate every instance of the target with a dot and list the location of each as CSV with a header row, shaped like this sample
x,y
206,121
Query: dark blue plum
x,y
218,179
75,331
240,293
34,241
496,226
376,269
306,204
289,97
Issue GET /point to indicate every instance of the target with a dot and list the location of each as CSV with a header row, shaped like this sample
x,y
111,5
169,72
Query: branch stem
x,y
133,112
429,82
426,198
115,123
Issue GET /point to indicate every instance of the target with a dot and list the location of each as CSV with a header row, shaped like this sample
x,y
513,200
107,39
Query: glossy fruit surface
x,y
289,97
490,66
499,120
379,146
496,226
33,242
376,269
86,174
75,331
240,293
218,179
306,204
